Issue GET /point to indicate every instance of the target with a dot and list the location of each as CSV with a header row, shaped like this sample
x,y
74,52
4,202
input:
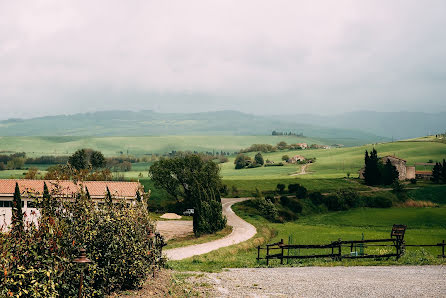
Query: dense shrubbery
x,y
37,262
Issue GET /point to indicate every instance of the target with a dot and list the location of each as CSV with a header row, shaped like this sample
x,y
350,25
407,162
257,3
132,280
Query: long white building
x,y
65,189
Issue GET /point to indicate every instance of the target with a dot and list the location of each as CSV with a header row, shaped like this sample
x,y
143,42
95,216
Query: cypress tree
x,y
17,215
443,171
108,198
87,193
138,197
46,200
389,173
436,173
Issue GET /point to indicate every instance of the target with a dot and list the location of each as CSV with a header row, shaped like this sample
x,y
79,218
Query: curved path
x,y
241,231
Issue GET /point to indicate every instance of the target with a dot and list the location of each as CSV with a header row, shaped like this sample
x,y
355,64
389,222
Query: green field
x,y
139,146
425,226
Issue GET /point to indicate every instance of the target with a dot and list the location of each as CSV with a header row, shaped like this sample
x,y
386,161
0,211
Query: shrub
x,y
301,192
38,261
279,164
258,158
413,181
280,187
316,198
292,188
293,204
266,208
285,157
378,202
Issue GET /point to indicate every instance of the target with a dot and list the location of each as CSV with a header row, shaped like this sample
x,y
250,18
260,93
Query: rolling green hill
x,y
149,123
112,146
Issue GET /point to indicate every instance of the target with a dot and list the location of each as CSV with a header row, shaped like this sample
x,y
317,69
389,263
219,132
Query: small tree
x,y
285,157
390,173
259,159
280,187
97,160
301,192
443,171
240,161
79,160
17,215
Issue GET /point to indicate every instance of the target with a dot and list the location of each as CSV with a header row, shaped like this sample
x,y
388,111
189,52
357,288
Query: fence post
x,y
281,257
339,247
267,255
442,250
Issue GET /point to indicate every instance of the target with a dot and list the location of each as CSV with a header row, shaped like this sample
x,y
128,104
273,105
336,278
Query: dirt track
x,y
241,231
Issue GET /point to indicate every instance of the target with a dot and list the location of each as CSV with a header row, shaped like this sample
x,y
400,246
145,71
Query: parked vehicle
x,y
189,212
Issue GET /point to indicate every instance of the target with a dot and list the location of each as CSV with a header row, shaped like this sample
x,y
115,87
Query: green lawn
x,y
425,226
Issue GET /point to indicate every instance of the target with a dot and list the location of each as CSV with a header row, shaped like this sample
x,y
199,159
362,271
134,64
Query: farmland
x,y
139,146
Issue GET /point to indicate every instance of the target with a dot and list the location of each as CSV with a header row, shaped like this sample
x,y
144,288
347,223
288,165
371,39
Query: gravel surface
x,y
241,231
174,228
382,281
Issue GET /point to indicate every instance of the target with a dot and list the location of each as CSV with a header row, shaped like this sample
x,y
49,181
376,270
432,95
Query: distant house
x,y
302,145
296,158
405,172
63,189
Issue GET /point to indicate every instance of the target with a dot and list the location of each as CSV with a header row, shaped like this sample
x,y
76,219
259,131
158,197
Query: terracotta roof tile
x,y
68,188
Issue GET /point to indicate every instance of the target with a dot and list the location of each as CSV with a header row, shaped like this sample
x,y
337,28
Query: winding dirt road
x,y
241,231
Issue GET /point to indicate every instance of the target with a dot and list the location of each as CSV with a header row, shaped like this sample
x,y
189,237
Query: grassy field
x,y
425,226
139,146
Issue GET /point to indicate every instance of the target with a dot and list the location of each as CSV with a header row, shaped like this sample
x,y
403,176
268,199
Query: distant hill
x,y
150,123
397,125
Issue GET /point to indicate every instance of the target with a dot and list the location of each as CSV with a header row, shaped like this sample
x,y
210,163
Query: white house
x,y
62,189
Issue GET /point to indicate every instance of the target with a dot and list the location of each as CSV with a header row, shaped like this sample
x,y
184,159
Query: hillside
x,y
149,123
397,125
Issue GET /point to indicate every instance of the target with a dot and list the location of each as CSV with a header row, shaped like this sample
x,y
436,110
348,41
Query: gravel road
x,y
382,281
241,231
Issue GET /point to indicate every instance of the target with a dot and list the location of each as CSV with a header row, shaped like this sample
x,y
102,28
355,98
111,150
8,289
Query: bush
x,y
266,208
279,164
344,199
292,188
413,181
38,261
301,192
280,187
293,204
316,198
378,202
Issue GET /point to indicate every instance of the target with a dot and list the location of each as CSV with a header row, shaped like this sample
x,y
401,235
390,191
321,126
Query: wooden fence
x,y
337,249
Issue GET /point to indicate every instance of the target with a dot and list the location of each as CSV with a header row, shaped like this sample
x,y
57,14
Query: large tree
x,y
389,174
79,160
197,184
259,159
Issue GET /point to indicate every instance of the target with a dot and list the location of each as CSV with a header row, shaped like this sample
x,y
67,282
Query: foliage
x,y
197,184
38,261
79,160
17,224
285,157
32,173
439,172
266,208
259,159
280,187
259,147
372,173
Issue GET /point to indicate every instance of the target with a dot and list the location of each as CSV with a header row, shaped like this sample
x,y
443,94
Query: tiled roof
x,y
68,188
394,157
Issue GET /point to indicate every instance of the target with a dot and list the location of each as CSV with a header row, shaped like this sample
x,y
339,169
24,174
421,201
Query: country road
x,y
241,231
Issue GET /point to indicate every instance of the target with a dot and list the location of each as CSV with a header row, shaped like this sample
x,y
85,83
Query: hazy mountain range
x,y
359,127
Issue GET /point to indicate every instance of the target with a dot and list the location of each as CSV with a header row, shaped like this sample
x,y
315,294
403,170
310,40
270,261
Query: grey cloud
x,y
258,56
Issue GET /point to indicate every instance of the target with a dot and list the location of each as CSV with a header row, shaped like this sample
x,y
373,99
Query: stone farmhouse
x,y
63,189
296,158
405,172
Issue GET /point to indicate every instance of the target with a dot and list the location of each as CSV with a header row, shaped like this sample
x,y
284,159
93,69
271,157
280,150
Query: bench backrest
x,y
398,231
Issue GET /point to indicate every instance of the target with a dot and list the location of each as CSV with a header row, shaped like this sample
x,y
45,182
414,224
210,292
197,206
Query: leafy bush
x,y
37,261
280,187
279,164
266,207
378,202
413,181
293,204
316,198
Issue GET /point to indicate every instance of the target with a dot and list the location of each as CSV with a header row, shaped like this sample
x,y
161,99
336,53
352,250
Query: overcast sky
x,y
264,57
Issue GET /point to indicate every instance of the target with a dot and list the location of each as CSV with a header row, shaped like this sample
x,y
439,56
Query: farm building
x,y
405,172
302,145
63,189
296,158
